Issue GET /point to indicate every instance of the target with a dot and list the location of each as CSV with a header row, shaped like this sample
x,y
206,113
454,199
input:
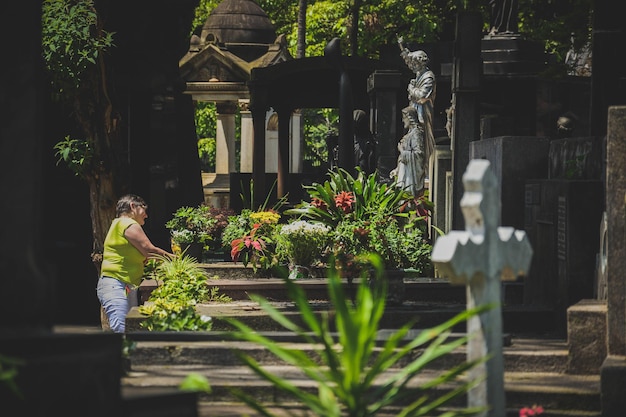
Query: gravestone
x,y
562,219
613,370
480,257
513,160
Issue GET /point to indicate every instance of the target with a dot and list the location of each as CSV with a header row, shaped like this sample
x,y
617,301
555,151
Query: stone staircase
x,y
536,360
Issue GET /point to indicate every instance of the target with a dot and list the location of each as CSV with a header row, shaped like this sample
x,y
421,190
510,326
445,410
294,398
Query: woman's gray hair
x,y
123,204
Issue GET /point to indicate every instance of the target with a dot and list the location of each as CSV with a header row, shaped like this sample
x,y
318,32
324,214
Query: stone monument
x,y
421,92
480,257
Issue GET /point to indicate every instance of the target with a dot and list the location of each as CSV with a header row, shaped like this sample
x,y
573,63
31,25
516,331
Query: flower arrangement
x,y
369,216
203,225
252,237
190,225
302,243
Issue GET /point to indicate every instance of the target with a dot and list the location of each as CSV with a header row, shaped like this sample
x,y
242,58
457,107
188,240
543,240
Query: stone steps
x,y
536,360
557,393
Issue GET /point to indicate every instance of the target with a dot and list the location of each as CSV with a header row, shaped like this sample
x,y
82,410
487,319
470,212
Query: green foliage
x,y
8,373
190,225
195,382
367,216
345,196
172,305
207,154
400,244
76,153
183,279
352,373
72,42
205,119
318,125
301,242
202,224
257,246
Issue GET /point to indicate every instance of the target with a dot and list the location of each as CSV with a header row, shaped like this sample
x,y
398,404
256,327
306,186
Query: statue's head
x,y
409,116
418,59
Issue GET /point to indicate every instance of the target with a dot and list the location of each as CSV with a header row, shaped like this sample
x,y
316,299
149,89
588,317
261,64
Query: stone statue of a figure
x,y
421,94
410,171
503,17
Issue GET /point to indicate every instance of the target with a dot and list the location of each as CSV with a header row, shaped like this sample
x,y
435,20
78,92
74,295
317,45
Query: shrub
x,y
172,305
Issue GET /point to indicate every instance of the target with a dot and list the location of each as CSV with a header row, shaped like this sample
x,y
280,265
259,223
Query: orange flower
x,y
344,200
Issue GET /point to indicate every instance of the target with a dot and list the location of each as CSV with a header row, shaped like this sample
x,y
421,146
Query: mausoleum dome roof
x,y
238,21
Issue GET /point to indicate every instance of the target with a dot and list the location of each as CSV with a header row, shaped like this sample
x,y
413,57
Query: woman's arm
x,y
137,237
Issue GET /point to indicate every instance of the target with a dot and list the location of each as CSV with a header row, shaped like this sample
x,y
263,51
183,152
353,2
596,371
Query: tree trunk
x,y
353,29
301,42
103,199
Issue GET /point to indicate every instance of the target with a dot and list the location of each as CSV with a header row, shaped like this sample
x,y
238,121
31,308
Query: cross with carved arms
x,y
480,258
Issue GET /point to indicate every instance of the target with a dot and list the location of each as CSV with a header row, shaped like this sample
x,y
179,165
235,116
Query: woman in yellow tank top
x,y
126,249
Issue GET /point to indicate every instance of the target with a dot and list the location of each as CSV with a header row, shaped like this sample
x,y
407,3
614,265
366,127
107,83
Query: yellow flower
x,y
269,217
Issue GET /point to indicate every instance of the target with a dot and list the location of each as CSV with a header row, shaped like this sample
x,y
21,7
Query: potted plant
x,y
368,216
251,236
302,243
195,230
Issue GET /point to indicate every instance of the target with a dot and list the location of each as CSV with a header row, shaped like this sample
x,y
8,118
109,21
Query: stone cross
x,y
480,257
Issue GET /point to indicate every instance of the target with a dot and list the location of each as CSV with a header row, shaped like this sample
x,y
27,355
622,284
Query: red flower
x,y
422,212
344,200
319,203
247,245
535,410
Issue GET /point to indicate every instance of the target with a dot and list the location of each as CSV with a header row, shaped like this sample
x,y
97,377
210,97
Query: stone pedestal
x,y
612,383
586,337
64,374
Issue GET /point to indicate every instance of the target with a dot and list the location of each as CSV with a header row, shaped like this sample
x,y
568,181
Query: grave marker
x,y
480,257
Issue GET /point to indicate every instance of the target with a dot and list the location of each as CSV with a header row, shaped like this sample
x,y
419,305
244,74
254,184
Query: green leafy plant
x,y
251,234
172,305
203,224
369,216
302,242
76,153
400,243
351,373
345,196
72,42
8,373
256,247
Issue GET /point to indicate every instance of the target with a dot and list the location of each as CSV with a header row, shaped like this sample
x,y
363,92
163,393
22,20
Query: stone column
x,y
466,80
225,138
282,172
247,136
384,88
258,154
297,146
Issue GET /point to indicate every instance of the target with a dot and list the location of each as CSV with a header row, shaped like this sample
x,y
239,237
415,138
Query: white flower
x,y
205,319
305,228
